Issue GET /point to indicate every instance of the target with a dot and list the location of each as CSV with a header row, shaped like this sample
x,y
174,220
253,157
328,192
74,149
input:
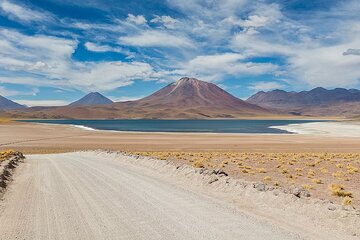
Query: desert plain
x,y
323,166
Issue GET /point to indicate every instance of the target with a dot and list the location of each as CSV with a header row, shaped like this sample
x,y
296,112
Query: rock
x,y
204,171
276,192
331,208
219,172
261,187
212,180
300,192
348,208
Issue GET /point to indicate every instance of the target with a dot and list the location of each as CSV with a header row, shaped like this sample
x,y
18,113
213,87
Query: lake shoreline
x,y
239,126
48,138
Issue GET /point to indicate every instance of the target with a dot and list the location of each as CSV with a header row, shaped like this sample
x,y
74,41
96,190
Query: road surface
x,y
75,196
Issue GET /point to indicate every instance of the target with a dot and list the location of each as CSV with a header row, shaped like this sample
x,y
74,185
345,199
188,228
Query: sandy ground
x,y
83,197
39,138
96,195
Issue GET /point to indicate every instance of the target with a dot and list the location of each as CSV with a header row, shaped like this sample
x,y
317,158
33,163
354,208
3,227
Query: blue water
x,y
204,126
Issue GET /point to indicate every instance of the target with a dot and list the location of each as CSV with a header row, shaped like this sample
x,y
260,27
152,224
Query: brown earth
x,y
37,138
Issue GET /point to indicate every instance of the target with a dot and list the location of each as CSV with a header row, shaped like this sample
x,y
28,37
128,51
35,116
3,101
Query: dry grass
x,y
339,191
5,154
5,120
312,171
347,201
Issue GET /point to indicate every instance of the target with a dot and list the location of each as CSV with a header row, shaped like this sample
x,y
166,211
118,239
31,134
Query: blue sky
x,y
54,51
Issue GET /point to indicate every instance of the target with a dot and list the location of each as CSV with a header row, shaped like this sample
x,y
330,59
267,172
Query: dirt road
x,y
74,196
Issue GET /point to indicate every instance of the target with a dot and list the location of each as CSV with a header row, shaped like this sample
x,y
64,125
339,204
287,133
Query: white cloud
x,y
255,45
125,98
47,62
210,10
266,86
21,13
106,48
43,103
138,20
215,67
7,93
255,21
152,38
326,67
166,21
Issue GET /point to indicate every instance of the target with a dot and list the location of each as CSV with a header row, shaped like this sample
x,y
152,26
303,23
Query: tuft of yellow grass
x,y
351,169
267,178
347,201
261,170
308,187
317,181
5,120
6,154
198,164
339,191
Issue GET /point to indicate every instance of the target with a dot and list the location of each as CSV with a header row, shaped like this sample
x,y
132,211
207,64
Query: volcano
x,y
190,94
91,99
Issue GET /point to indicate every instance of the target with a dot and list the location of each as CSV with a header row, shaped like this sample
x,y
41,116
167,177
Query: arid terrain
x,y
50,138
311,161
99,195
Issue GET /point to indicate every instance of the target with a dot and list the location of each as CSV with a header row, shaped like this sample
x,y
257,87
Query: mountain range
x,y
316,102
190,98
186,98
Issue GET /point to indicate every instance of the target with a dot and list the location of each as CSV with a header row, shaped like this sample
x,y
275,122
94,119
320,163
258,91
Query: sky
x,y
53,52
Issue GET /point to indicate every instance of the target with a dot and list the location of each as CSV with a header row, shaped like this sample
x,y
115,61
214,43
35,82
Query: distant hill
x,y
92,99
188,98
316,102
7,104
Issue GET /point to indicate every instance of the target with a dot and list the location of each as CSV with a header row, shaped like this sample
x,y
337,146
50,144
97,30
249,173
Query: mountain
x,y
192,93
188,98
316,102
6,104
91,99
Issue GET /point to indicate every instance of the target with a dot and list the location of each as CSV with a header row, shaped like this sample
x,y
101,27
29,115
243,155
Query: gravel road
x,y
84,196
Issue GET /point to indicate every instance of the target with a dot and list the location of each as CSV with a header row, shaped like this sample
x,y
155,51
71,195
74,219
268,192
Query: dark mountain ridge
x,y
7,104
318,101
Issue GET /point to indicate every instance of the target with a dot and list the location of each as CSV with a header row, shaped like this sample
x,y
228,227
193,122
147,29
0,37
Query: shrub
x,y
339,191
267,178
347,201
261,170
317,181
198,164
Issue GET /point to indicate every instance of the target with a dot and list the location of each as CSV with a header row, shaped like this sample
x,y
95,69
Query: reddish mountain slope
x,y
190,93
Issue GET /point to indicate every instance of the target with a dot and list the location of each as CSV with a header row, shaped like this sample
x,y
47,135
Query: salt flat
x,y
335,129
